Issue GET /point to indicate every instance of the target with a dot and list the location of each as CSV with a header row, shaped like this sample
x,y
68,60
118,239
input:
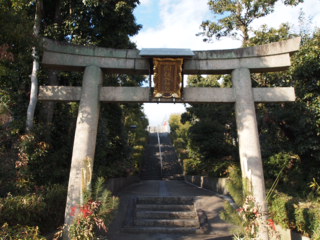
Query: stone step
x,y
166,214
167,230
166,207
167,222
166,200
151,177
173,177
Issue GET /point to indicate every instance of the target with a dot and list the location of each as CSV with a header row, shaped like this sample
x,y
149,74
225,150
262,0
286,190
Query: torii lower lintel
x,y
142,95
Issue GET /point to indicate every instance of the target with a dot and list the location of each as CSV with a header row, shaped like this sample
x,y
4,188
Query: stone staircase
x,y
151,167
164,215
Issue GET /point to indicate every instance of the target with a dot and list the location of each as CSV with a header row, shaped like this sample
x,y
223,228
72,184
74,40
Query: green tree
x,y
236,16
103,23
211,135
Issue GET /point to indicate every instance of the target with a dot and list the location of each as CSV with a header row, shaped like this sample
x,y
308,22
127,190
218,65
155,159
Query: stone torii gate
x,y
95,61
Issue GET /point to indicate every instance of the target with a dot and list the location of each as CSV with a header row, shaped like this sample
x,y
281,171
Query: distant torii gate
x,y
95,60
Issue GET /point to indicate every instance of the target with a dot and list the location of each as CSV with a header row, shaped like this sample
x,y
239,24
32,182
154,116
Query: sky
x,y
175,23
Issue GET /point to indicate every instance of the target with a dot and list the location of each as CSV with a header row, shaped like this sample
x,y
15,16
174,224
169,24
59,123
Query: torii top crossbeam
x,y
263,58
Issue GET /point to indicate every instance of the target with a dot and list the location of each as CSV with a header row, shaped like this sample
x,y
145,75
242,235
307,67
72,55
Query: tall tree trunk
x,y
35,69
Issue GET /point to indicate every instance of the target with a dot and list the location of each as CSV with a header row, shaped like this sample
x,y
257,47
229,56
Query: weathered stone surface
x,y
287,46
269,57
59,47
59,93
191,95
249,146
166,52
84,142
277,94
224,66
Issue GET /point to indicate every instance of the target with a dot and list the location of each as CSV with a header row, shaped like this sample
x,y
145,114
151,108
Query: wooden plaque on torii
x,y
167,77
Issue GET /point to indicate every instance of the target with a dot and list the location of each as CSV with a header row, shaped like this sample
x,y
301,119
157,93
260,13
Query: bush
x,y
44,209
26,210
282,210
286,166
230,214
291,213
55,198
234,184
191,167
20,232
94,215
307,216
32,154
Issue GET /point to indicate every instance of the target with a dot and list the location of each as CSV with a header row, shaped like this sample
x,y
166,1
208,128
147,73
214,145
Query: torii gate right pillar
x,y
249,146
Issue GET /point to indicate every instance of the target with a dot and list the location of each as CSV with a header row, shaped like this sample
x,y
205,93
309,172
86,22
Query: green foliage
x,y
192,167
20,232
55,198
282,209
107,24
211,136
235,187
315,188
234,184
265,35
289,132
31,155
25,210
179,135
94,215
121,140
103,23
307,218
248,219
230,214
235,17
295,213
285,169
44,208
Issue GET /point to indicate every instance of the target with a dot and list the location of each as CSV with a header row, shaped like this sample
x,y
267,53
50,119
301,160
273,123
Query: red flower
x,y
272,224
86,211
240,210
73,211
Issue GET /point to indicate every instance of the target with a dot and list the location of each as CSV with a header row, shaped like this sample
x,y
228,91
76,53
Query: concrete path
x,y
205,200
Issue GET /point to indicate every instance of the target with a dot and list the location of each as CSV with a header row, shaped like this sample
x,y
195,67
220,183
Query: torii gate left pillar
x,y
84,141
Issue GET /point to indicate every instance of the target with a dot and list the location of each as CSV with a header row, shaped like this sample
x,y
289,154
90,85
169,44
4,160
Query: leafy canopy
x,y
235,16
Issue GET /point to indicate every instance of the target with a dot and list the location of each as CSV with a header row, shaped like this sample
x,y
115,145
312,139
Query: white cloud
x,y
179,24
145,2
